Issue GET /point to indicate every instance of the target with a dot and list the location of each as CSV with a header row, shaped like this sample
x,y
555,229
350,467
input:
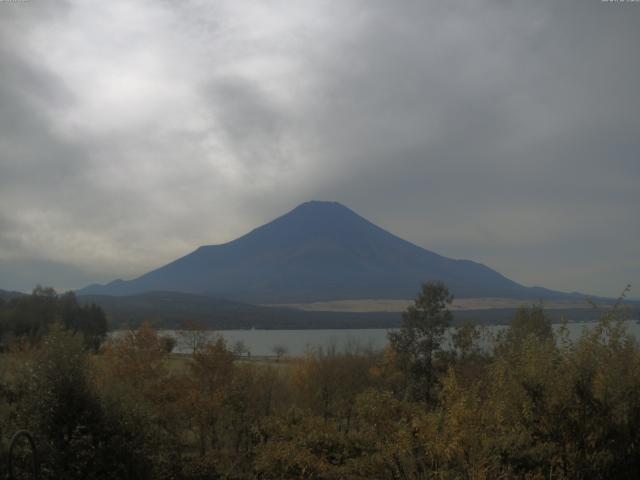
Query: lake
x,y
298,342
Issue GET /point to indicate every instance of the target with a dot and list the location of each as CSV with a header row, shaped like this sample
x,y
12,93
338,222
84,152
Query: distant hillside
x,y
172,309
8,295
320,251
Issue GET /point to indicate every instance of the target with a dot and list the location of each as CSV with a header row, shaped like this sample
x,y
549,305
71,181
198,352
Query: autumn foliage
x,y
530,403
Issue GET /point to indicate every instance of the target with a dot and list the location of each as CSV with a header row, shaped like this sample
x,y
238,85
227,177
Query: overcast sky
x,y
502,132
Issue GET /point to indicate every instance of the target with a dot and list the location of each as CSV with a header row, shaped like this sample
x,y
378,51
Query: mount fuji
x,y
320,251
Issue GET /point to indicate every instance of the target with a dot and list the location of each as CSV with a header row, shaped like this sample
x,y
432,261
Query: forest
x,y
534,404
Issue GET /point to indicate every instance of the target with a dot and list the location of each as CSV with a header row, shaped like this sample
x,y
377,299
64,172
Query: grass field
x,y
382,305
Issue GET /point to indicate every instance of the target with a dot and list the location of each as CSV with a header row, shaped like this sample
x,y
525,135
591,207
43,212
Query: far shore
x,y
390,305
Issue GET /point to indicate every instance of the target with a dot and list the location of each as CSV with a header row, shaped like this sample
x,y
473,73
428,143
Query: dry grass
x,y
373,305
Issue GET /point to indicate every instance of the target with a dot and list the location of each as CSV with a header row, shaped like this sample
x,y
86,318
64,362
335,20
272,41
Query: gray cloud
x,y
501,132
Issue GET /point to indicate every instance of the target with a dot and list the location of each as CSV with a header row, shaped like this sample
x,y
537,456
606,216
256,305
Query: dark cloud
x,y
501,132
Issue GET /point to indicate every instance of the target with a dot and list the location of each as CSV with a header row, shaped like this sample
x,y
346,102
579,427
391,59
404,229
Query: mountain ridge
x,y
7,295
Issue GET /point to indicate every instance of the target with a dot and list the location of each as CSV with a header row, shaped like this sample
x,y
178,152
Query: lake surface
x,y
299,342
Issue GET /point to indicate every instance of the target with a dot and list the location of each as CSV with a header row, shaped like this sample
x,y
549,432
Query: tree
x,y
279,350
94,327
30,316
328,382
464,339
59,403
143,399
240,348
420,337
136,357
527,322
212,371
168,343
194,335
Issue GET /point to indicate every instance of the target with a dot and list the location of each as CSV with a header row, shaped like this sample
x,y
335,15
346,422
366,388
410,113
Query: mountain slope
x,y
10,295
319,251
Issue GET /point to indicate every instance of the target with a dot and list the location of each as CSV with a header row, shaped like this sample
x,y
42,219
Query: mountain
x,y
10,295
319,251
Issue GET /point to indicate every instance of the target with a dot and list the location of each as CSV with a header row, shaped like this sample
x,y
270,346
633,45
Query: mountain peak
x,y
321,207
321,204
312,220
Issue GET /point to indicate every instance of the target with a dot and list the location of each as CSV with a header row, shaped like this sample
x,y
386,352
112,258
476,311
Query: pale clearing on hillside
x,y
389,305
